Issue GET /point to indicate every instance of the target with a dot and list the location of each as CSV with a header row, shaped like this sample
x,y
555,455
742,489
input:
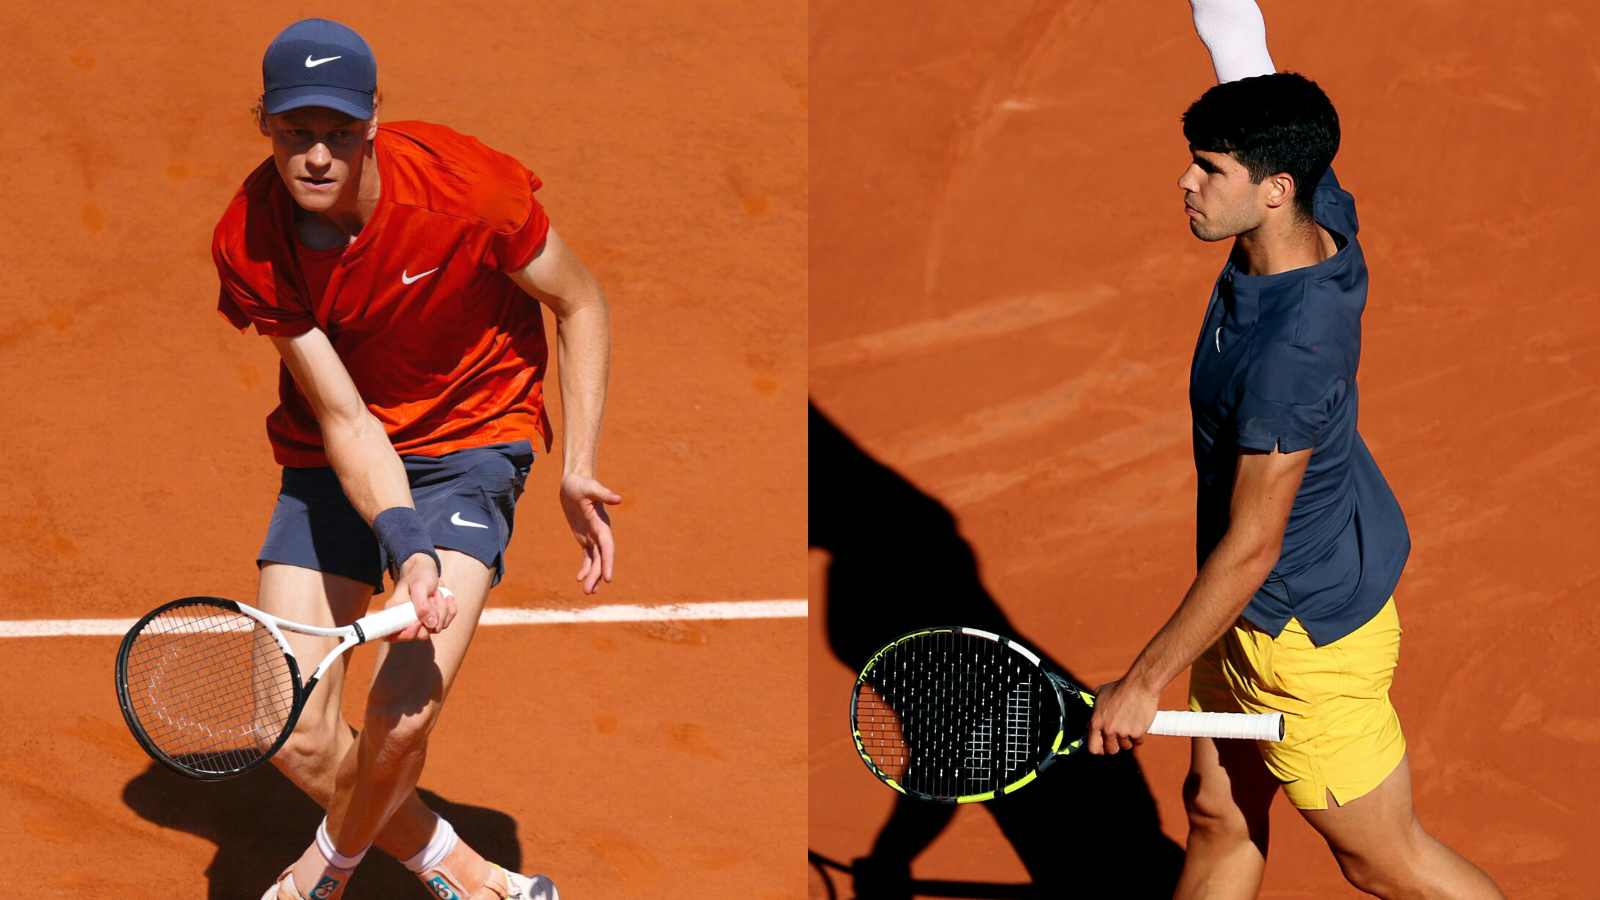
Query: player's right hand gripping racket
x,y
959,715
210,688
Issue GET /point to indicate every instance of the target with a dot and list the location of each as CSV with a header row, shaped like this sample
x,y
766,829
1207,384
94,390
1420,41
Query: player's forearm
x,y
1230,577
369,470
1235,34
583,342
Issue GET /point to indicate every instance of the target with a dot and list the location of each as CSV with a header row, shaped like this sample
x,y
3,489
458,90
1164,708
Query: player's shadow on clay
x,y
897,562
260,822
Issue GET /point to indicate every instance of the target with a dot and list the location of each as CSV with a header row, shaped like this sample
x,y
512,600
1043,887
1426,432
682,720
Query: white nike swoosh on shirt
x,y
313,63
455,519
406,278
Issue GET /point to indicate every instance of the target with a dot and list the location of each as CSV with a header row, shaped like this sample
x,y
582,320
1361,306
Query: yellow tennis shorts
x,y
1341,733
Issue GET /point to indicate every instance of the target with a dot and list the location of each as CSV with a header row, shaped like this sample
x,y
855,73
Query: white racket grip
x,y
1248,726
385,622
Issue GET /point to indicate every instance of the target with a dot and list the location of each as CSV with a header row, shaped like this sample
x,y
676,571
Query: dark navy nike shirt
x,y
1275,366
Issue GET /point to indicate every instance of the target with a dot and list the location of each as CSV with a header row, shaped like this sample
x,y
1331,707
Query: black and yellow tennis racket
x,y
959,715
210,688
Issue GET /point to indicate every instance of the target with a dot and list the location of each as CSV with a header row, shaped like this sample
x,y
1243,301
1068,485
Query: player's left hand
x,y
1123,712
584,500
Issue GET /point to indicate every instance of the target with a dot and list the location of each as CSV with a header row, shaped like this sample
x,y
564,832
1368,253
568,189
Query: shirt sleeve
x,y
1291,394
244,306
513,249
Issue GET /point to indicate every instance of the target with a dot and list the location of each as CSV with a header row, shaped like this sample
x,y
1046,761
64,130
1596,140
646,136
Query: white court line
x,y
670,612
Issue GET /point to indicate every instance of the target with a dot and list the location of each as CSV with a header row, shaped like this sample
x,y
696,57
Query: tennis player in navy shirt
x,y
1274,371
1300,541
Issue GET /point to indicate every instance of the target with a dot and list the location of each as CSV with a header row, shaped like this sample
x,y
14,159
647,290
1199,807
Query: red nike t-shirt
x,y
446,350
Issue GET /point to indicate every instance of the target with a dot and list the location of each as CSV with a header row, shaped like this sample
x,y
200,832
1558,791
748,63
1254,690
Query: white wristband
x,y
1236,35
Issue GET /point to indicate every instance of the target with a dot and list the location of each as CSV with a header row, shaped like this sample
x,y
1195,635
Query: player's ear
x,y
372,123
1280,189
259,111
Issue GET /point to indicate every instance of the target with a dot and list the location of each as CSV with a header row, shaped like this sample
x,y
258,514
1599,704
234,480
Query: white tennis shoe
x,y
283,889
530,887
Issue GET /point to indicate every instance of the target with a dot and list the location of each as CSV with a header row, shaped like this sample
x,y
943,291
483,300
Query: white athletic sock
x,y
331,853
438,847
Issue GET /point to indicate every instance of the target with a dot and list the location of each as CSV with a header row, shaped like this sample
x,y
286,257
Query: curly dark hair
x,y
1272,123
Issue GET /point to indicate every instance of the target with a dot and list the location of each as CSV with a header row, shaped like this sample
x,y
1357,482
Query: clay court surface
x,y
671,139
1005,297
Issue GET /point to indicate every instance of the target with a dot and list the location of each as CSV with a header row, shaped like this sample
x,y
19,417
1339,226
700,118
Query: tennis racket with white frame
x,y
960,715
211,689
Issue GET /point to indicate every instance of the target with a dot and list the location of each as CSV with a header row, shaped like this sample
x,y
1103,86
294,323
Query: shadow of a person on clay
x,y
897,562
260,822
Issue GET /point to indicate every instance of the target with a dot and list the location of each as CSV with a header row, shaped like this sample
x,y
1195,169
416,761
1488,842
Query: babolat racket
x,y
960,715
210,688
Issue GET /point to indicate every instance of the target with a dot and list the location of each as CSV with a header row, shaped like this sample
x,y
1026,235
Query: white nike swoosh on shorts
x,y
455,519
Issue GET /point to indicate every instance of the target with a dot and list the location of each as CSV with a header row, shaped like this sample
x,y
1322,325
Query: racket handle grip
x,y
385,622
1249,726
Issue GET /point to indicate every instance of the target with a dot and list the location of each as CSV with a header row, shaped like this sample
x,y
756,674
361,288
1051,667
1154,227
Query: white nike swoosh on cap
x,y
313,63
455,519
408,278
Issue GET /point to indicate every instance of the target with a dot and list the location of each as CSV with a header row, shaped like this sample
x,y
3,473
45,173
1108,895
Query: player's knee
x,y
311,748
1390,876
1212,809
1362,874
404,702
402,726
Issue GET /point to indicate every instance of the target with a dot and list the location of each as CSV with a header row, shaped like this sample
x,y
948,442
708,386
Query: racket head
x,y
957,715
207,689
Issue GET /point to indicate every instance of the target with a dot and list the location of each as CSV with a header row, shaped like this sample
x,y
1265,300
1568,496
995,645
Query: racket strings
x,y
210,687
948,714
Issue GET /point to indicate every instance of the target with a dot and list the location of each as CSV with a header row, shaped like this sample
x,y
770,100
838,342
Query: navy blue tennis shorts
x,y
466,499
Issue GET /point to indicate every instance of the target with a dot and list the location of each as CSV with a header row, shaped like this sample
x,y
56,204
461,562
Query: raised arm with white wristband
x,y
1235,33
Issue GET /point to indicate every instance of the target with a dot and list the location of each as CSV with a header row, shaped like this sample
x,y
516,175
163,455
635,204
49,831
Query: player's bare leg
x,y
1383,849
372,798
310,758
1228,796
315,598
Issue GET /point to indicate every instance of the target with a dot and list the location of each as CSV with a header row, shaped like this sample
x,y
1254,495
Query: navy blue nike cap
x,y
317,62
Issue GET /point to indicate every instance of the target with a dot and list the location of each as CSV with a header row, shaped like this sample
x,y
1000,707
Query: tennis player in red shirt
x,y
395,269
